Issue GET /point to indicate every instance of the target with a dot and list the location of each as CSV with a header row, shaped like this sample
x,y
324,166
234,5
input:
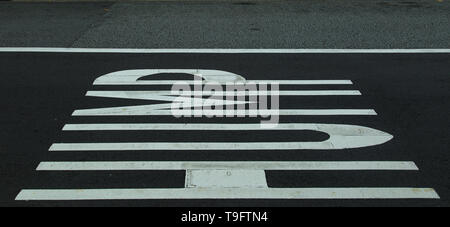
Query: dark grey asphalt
x,y
266,24
409,92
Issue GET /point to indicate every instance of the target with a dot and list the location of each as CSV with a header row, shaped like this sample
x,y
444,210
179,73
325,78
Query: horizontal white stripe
x,y
228,193
219,51
356,130
327,145
302,82
204,126
150,95
215,165
192,82
148,110
185,100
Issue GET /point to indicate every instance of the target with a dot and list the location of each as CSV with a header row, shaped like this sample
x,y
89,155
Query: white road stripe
x,y
224,51
216,127
192,101
216,165
302,82
228,193
197,146
192,82
150,95
147,110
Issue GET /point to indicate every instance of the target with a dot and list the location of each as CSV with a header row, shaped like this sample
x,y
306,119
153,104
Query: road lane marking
x,y
217,165
192,82
216,180
219,51
150,95
335,129
302,82
177,146
209,76
228,193
340,137
148,110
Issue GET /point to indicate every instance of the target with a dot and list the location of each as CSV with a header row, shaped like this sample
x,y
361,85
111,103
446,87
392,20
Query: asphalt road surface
x,y
408,92
403,95
235,24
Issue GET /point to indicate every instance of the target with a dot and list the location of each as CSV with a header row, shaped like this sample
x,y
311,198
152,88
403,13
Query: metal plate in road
x,y
354,128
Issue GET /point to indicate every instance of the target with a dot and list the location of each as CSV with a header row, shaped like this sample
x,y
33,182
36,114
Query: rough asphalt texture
x,y
272,24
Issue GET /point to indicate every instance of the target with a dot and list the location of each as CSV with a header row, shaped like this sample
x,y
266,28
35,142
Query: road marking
x,y
302,82
215,165
219,51
335,129
230,178
150,95
211,76
228,193
206,146
340,137
214,179
192,82
185,102
149,110
188,101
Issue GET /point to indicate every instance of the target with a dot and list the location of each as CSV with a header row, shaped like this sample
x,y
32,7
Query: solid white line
x,y
219,51
192,82
189,126
228,193
301,82
148,110
216,165
326,145
331,128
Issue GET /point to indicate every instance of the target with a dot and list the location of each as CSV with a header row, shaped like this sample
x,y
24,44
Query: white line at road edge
x,y
228,193
216,165
218,51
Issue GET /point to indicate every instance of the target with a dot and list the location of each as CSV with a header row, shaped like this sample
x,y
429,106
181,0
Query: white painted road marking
x,y
228,193
191,82
148,110
340,137
149,95
219,51
335,129
177,146
132,76
217,165
218,179
129,146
